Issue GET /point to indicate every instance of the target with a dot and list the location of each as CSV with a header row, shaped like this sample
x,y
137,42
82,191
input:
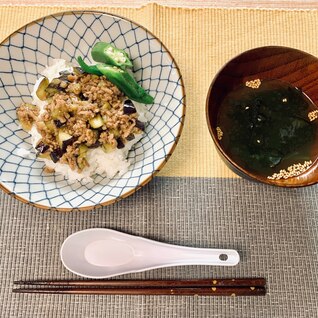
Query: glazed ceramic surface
x,y
103,253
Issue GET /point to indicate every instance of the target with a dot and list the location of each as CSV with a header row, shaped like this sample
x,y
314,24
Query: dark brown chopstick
x,y
204,287
213,282
192,291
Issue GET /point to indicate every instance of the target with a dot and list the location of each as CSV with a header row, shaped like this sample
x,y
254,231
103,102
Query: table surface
x,y
300,4
275,230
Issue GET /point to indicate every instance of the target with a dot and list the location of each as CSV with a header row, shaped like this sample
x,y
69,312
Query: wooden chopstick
x,y
213,282
204,287
192,291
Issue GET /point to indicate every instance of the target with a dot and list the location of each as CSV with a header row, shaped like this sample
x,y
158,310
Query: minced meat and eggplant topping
x,y
88,108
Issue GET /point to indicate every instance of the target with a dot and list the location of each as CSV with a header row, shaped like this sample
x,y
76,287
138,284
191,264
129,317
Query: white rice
x,y
106,164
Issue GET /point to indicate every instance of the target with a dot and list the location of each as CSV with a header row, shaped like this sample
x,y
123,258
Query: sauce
x,y
269,126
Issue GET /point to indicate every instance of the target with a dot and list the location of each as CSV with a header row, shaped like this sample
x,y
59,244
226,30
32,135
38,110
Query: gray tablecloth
x,y
274,230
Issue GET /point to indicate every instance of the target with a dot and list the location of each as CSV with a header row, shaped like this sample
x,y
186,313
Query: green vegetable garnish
x,y
106,53
121,78
91,69
126,83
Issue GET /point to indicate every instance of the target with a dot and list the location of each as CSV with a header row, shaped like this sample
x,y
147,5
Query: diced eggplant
x,y
64,73
82,97
130,137
67,143
115,132
63,81
120,143
50,125
82,150
63,84
64,140
45,155
56,154
108,148
96,122
95,145
106,106
55,83
129,107
81,159
140,125
59,83
41,91
51,91
58,123
74,108
41,147
77,70
81,163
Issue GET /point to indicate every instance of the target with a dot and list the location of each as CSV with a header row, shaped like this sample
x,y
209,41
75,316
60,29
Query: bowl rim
x,y
164,161
222,153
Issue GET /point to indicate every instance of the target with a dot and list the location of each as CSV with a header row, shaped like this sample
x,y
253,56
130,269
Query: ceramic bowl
x,y
290,65
26,52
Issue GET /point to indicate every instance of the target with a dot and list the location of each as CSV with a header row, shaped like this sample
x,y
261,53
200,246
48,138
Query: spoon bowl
x,y
103,253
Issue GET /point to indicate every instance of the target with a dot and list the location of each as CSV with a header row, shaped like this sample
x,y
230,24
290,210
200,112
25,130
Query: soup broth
x,y
269,128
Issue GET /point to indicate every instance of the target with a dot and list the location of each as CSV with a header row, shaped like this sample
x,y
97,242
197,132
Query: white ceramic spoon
x,y
102,253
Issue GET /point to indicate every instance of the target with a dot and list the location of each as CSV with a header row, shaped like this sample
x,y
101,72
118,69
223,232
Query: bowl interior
x,y
25,54
290,65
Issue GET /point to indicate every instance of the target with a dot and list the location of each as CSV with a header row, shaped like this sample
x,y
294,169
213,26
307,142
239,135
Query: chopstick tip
x,y
18,282
28,282
16,290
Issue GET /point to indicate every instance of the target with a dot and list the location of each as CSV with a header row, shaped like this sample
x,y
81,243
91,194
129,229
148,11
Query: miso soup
x,y
269,128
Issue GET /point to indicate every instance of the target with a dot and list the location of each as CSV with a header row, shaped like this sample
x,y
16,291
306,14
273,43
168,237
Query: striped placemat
x,y
202,41
195,201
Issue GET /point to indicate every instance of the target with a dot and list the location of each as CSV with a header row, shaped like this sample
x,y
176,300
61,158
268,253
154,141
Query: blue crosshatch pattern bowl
x,y
26,52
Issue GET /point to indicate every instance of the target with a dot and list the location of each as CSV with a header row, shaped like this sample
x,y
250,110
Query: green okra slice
x,y
106,53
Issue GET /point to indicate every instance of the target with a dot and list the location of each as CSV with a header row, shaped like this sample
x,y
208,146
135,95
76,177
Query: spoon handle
x,y
179,255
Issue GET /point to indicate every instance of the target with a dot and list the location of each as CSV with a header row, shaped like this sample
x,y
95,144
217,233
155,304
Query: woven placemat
x,y
274,230
202,41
